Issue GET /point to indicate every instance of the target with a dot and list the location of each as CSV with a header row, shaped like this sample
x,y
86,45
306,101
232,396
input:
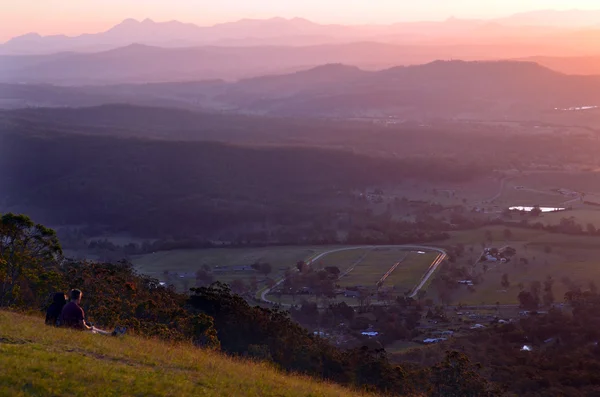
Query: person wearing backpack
x,y
59,300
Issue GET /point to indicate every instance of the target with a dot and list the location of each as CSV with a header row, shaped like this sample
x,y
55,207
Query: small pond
x,y
543,209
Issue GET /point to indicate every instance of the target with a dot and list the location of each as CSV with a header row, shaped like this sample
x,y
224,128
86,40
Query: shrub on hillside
x,y
29,258
116,294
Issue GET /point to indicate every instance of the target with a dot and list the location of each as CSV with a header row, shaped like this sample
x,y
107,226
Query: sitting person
x,y
73,316
53,313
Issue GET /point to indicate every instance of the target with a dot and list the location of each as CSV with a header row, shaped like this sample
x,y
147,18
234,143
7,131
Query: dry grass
x,y
36,360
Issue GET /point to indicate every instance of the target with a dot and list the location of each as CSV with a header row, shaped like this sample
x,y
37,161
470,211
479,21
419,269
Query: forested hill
x,y
461,142
158,187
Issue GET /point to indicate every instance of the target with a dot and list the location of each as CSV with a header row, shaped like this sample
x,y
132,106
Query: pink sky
x,y
74,17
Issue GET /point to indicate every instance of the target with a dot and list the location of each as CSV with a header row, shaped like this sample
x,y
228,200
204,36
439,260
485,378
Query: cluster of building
x,y
434,340
498,255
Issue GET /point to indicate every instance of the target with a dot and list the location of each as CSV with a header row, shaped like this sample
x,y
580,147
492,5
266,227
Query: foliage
x,y
214,191
456,377
243,330
29,255
213,317
564,356
114,294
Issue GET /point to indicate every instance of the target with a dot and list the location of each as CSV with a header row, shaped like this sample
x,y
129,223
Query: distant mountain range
x,y
297,31
453,89
138,63
178,34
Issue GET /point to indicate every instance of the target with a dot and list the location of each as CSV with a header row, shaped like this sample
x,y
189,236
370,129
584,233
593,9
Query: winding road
x,y
500,191
430,271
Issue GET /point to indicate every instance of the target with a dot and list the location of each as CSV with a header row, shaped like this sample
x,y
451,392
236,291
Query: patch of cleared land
x,y
581,216
512,197
365,267
342,259
588,182
188,262
447,193
410,271
567,259
371,264
370,270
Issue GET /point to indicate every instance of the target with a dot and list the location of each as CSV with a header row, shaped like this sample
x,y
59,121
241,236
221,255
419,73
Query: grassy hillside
x,y
39,360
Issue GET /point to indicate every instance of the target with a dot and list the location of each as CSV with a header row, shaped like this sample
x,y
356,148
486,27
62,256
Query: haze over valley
x,y
395,208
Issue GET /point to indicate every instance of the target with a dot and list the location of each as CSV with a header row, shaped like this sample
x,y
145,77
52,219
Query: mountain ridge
x,y
173,33
447,88
295,31
142,63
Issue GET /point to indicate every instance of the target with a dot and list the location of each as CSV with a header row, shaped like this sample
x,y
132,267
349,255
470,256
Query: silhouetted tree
x,y
265,268
29,254
548,297
505,283
457,377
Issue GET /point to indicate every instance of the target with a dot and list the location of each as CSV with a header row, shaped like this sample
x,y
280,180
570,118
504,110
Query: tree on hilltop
x,y
28,255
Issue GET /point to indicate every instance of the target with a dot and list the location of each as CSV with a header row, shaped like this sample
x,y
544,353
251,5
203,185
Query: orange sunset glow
x,y
300,198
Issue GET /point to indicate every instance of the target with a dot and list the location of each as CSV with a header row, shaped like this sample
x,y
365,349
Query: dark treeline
x,y
487,145
203,190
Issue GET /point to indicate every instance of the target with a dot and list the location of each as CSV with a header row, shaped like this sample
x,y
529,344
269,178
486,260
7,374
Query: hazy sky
x,y
89,16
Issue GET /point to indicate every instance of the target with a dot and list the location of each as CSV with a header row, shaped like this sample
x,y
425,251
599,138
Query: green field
x,y
539,188
342,259
372,264
573,257
588,182
441,192
581,215
368,265
512,197
410,271
37,360
192,260
490,290
475,237
370,270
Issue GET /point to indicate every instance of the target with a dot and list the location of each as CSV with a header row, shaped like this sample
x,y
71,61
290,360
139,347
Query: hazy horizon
x,y
56,17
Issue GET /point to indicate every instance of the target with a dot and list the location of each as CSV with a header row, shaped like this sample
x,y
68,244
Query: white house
x,y
434,340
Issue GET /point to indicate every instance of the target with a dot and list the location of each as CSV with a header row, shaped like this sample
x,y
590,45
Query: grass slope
x,y
42,361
